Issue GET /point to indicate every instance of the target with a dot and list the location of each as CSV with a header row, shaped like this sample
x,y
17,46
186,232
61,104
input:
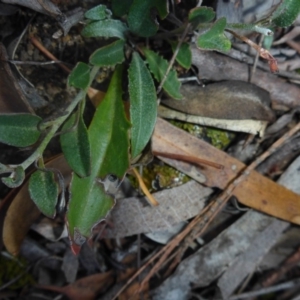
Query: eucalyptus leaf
x,y
143,104
19,130
99,12
105,28
184,55
200,15
80,76
158,67
76,146
109,141
120,8
16,179
109,55
142,16
43,191
215,39
286,13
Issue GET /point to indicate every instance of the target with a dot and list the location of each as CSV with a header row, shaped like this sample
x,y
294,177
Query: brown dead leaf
x,y
85,288
23,212
256,191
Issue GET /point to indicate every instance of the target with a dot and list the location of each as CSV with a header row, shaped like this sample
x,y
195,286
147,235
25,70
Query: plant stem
x,y
58,122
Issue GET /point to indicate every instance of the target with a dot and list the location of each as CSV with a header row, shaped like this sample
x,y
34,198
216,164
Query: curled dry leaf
x,y
236,101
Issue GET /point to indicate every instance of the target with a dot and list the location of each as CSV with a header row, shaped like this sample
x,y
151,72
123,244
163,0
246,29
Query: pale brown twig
x,y
173,58
143,187
191,159
253,70
48,54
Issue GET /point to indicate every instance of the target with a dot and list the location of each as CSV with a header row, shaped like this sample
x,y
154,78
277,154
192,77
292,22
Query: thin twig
x,y
175,242
253,70
191,159
187,28
288,264
142,185
35,63
38,44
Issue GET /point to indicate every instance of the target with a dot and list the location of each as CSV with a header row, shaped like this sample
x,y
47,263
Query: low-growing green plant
x,y
101,155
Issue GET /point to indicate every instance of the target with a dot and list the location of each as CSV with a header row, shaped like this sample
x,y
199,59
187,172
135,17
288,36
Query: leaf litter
x,y
229,254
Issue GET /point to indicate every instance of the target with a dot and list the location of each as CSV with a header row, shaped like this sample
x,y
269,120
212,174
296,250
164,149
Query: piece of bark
x,y
204,266
256,191
130,215
218,67
247,262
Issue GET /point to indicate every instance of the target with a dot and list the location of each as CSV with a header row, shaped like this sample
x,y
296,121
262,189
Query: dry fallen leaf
x,y
23,212
130,215
256,191
85,288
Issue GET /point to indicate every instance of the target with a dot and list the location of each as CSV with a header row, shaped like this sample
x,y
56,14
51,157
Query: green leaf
x,y
158,67
109,55
120,8
215,38
16,179
143,105
89,204
184,55
43,191
19,130
286,13
106,28
142,16
76,146
200,15
99,12
108,134
80,76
